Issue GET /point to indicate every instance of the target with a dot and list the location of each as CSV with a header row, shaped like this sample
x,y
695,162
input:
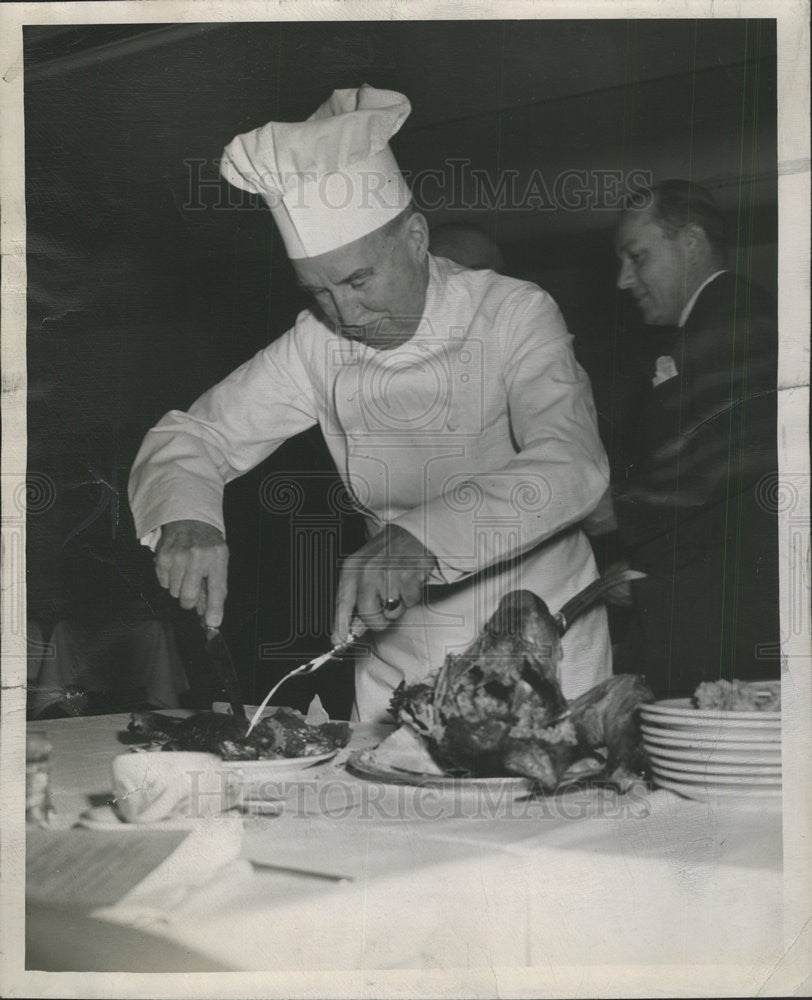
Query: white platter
x,y
682,708
704,791
704,739
746,776
363,763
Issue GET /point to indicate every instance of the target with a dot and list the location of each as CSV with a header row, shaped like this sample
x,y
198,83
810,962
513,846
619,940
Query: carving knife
x,y
223,665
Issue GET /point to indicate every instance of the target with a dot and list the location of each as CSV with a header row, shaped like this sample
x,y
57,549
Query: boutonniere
x,y
665,369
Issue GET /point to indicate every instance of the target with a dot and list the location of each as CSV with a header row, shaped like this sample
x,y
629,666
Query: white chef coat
x,y
478,436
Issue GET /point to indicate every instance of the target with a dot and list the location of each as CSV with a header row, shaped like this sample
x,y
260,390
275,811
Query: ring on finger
x,y
392,604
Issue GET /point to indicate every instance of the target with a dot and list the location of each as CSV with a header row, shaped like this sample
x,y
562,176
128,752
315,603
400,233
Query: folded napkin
x,y
152,786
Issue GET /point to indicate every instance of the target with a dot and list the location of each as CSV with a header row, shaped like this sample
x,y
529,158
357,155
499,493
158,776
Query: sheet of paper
x,y
89,868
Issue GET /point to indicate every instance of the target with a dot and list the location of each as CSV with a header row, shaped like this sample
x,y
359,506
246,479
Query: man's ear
x,y
418,234
696,242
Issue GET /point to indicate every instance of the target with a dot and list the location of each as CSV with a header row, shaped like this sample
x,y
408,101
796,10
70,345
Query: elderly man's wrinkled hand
x,y
381,580
191,562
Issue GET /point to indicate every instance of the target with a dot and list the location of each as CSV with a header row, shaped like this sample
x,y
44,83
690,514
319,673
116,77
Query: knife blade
x,y
220,659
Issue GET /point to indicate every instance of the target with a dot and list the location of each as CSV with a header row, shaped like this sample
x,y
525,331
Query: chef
x,y
450,400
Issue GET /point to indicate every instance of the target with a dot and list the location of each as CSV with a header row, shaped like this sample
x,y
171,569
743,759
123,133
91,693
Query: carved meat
x,y
498,708
202,731
286,733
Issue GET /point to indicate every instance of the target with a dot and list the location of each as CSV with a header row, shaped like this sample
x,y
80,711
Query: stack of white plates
x,y
712,752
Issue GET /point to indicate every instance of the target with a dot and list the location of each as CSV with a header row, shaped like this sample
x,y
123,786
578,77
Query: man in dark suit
x,y
693,509
467,244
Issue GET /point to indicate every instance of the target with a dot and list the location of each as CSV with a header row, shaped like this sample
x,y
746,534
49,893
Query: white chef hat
x,y
331,179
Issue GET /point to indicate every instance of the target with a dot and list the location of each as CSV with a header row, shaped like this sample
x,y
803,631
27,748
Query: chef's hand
x,y
191,561
391,567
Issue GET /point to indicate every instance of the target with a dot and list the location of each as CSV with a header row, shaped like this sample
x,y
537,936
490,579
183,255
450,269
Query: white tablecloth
x,y
588,880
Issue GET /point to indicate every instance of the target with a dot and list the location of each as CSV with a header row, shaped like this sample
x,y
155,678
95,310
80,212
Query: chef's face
x,y
656,268
374,289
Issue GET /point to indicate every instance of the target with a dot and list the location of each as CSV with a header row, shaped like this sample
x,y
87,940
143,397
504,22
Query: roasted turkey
x,y
498,708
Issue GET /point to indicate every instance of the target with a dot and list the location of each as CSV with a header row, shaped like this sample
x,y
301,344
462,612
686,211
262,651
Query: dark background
x,y
146,286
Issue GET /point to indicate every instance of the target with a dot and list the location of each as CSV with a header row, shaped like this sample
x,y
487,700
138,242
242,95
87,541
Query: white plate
x,y
726,728
705,791
740,776
270,780
251,767
363,763
682,708
715,767
715,737
706,740
264,779
726,773
717,756
254,773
